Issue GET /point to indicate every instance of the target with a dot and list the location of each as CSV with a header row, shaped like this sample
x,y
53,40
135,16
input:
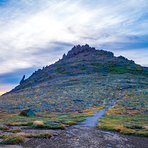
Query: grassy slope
x,y
96,91
130,115
61,95
93,78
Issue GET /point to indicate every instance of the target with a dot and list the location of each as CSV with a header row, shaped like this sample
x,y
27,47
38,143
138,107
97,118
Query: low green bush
x,y
16,139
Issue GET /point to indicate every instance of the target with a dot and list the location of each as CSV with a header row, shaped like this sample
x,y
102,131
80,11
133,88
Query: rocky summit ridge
x,y
82,60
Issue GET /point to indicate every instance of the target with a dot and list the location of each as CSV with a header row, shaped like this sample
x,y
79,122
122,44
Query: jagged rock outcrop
x,y
64,56
22,80
79,49
85,48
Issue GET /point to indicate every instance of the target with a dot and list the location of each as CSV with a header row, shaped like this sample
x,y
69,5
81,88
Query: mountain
x,y
84,82
83,60
86,75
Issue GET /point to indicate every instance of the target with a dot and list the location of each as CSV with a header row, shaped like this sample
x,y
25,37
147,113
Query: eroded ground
x,y
84,137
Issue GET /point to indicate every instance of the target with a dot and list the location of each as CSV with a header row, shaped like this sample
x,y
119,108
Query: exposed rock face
x,y
85,48
79,49
22,80
64,56
27,112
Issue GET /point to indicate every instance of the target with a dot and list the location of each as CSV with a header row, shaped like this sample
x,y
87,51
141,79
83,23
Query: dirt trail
x,y
92,121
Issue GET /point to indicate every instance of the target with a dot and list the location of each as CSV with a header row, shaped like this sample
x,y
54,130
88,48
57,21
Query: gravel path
x,y
92,121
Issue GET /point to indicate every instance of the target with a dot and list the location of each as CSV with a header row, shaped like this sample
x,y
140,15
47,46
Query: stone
x,y
27,112
109,145
30,112
37,110
20,107
107,133
78,100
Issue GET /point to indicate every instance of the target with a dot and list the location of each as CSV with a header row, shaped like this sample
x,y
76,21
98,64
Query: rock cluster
x,y
86,48
78,49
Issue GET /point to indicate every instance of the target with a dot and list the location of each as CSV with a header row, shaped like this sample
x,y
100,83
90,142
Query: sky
x,y
36,33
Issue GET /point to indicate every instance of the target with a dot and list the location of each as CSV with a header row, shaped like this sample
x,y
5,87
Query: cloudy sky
x,y
36,33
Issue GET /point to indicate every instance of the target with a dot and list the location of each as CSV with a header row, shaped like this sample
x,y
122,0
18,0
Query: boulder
x,y
27,112
30,112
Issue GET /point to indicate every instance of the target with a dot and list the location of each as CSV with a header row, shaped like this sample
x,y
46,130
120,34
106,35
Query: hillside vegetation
x,y
85,78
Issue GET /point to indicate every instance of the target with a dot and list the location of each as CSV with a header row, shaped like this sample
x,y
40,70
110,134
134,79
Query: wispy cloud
x,y
36,33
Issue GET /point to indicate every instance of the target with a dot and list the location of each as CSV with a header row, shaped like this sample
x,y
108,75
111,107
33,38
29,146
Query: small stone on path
x,y
109,145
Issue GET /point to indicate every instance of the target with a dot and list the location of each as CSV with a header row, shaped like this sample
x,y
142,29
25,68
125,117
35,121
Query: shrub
x,y
127,131
83,68
3,136
16,130
43,135
64,72
63,126
4,128
16,139
80,60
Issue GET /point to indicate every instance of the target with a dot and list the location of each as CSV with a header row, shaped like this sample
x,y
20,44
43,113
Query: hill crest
x,y
83,60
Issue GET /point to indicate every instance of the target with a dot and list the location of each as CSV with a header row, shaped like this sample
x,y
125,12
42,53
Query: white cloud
x,y
30,26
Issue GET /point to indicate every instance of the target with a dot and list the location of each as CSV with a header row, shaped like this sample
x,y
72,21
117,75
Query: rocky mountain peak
x,y
78,49
85,48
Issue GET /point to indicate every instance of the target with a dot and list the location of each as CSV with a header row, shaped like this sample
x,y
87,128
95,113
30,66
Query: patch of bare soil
x,y
82,137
